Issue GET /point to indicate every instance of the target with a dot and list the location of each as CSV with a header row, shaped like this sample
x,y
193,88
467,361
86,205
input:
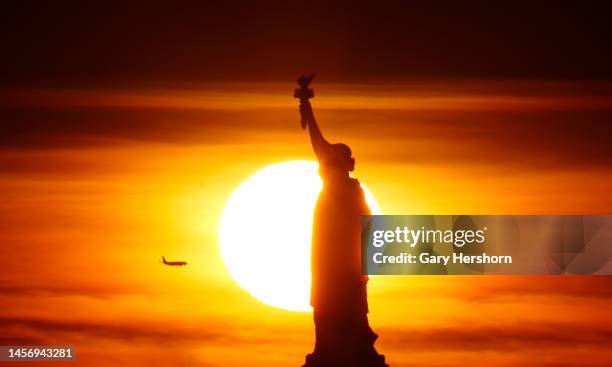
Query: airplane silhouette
x,y
173,263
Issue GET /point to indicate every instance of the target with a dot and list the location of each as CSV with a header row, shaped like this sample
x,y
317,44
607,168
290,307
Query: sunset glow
x,y
107,201
265,233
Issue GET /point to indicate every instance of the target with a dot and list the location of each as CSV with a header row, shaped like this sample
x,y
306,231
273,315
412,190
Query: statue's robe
x,y
338,293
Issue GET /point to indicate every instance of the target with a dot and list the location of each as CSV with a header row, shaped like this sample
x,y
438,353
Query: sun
x,y
265,233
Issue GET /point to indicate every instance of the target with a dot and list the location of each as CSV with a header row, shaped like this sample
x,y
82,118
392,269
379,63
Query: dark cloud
x,y
66,128
125,332
516,336
503,288
523,133
31,291
150,331
73,43
474,337
589,287
8,340
524,139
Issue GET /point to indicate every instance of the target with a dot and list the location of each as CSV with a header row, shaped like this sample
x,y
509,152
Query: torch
x,y
304,93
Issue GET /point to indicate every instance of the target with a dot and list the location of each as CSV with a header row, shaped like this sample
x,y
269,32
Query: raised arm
x,y
320,146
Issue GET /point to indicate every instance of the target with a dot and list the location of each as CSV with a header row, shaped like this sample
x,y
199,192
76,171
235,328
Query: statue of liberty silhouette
x,y
338,293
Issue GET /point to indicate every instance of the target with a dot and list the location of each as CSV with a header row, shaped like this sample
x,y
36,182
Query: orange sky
x,y
97,184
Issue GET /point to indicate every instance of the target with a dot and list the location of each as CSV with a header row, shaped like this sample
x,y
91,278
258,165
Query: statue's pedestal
x,y
344,342
313,360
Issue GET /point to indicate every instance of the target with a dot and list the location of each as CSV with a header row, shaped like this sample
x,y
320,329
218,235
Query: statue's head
x,y
342,157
